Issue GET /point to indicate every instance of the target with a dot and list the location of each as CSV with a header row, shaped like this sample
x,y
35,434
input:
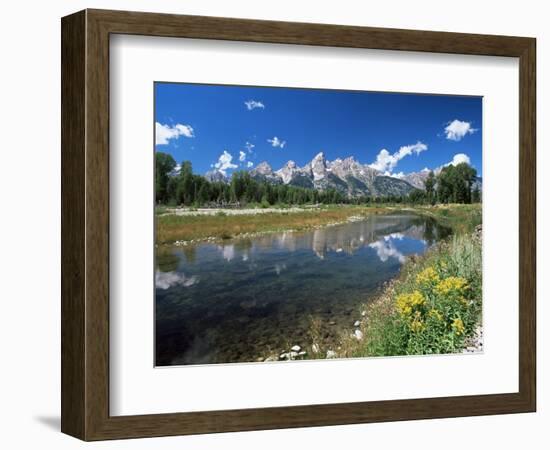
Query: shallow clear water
x,y
245,299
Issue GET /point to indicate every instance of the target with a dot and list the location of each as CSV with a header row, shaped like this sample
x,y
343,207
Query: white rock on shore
x,y
475,343
331,354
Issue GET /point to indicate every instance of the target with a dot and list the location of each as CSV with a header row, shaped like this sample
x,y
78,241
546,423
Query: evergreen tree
x,y
429,185
185,190
476,195
164,165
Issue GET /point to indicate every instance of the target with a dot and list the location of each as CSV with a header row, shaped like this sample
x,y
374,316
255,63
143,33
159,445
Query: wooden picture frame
x,y
85,224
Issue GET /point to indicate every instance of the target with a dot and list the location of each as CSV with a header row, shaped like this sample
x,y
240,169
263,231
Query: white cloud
x,y
396,175
249,147
224,162
253,104
386,162
459,158
276,142
249,164
457,129
163,133
242,156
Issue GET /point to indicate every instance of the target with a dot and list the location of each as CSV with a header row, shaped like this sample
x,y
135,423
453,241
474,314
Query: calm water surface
x,y
244,299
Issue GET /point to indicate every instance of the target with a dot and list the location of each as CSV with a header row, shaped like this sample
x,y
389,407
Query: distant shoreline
x,y
193,226
184,226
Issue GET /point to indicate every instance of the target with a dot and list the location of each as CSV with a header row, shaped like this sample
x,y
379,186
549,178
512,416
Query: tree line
x,y
452,185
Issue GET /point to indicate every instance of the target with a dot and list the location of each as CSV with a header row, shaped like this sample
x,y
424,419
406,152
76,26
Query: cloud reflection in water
x,y
385,247
165,280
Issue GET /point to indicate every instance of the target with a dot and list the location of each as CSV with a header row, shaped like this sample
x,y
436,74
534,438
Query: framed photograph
x,y
272,225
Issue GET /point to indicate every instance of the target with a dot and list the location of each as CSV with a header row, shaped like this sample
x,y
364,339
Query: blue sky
x,y
230,128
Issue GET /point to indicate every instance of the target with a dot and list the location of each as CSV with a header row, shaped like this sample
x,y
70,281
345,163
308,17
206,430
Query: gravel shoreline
x,y
234,212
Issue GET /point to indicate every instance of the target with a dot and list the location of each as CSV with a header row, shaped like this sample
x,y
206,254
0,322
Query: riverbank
x,y
191,227
433,307
185,226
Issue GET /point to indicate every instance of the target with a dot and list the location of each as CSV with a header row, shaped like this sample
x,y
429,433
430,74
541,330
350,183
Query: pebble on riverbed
x,y
293,354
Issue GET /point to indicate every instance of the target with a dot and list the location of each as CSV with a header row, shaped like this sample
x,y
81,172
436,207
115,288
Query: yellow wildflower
x,y
458,326
451,284
416,324
435,314
406,303
427,277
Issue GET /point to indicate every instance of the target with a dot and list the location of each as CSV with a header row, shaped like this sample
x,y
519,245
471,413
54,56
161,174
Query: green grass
x,y
161,209
462,218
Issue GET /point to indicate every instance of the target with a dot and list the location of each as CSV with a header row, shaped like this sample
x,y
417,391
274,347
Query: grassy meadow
x,y
223,225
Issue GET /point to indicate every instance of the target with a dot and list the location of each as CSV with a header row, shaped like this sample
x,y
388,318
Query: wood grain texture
x,y
73,111
85,224
527,224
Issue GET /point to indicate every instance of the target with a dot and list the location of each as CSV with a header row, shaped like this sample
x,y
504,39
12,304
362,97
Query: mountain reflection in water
x,y
237,301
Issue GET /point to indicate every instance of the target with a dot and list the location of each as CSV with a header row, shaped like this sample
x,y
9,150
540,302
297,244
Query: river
x,y
243,299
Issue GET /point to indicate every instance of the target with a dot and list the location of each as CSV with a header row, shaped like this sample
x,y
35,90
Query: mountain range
x,y
347,176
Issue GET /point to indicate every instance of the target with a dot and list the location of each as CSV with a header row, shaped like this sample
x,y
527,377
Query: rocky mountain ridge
x,y
347,176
